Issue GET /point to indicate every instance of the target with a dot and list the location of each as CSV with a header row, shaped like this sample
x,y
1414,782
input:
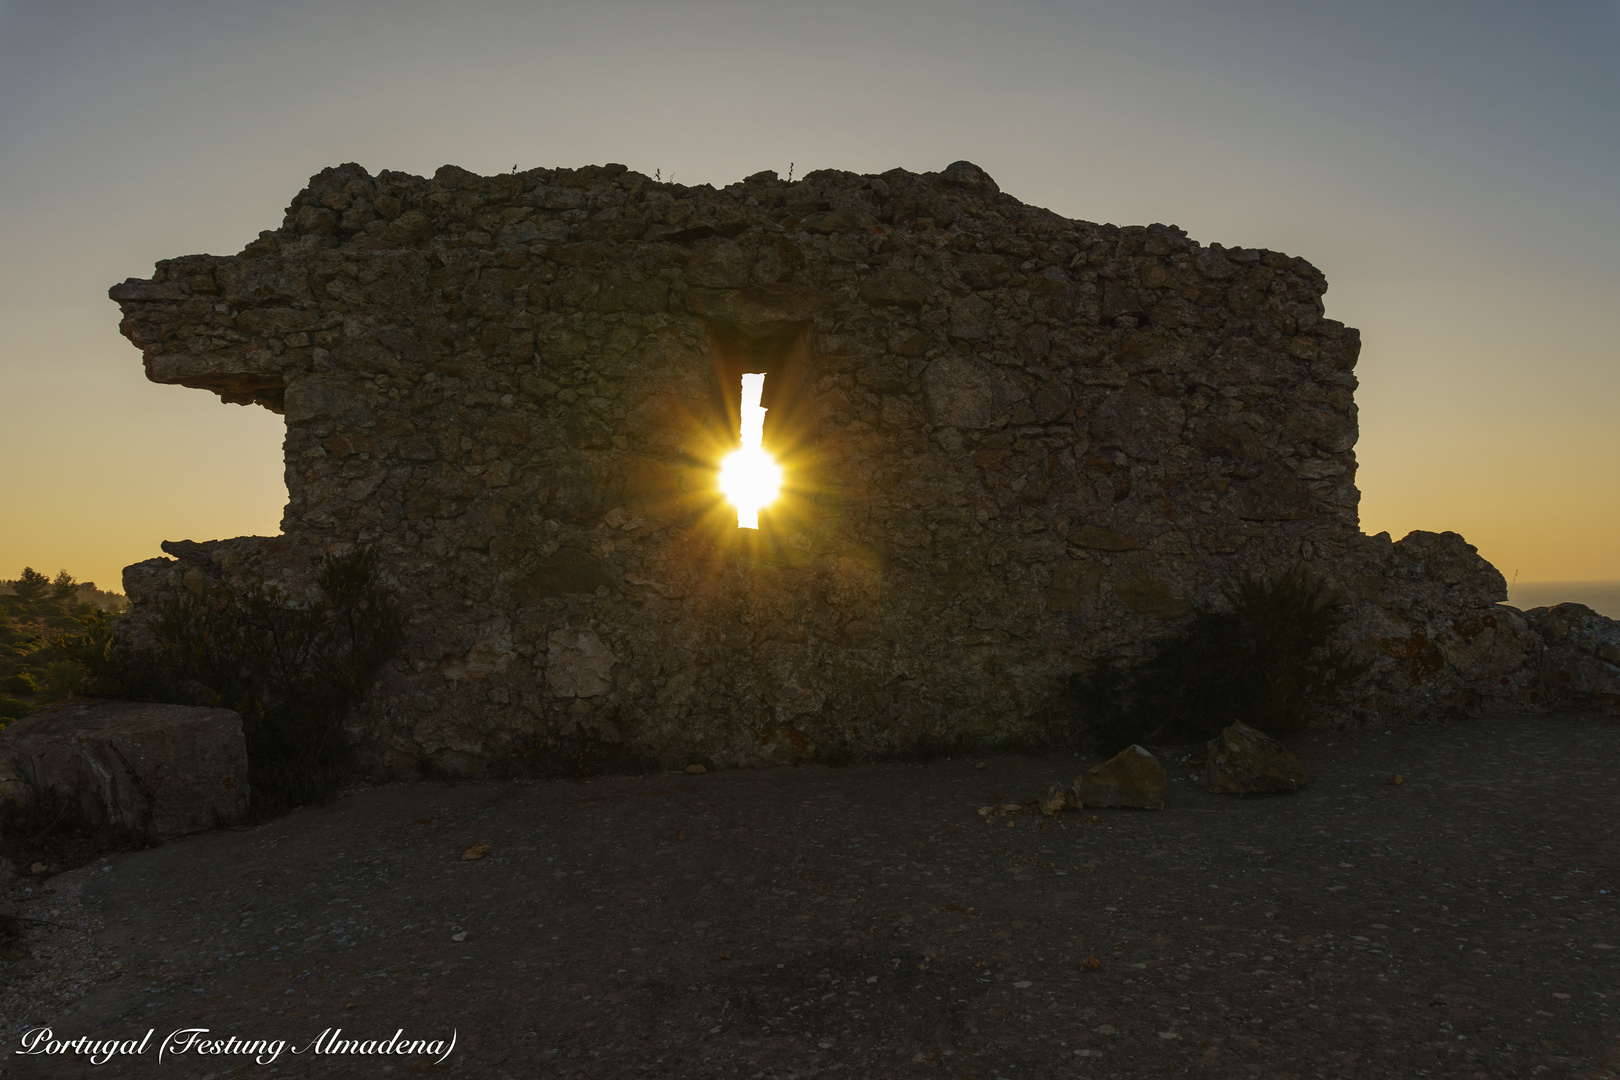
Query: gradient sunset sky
x,y
1454,169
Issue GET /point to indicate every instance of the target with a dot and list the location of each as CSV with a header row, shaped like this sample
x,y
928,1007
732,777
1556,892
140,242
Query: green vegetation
x,y
1268,662
290,670
34,611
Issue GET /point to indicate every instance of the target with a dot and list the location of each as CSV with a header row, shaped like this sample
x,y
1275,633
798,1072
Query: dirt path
x,y
865,922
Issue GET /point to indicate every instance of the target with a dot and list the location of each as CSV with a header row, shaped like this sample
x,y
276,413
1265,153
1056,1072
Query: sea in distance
x,y
1602,597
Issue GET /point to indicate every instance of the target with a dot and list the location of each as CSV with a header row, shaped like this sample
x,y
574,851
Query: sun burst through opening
x,y
749,477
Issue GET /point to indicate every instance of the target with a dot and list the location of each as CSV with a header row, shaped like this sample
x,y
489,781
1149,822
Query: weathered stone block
x,y
150,772
1151,596
1097,538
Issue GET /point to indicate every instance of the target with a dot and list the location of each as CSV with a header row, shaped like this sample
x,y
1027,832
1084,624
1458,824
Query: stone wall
x,y
1014,443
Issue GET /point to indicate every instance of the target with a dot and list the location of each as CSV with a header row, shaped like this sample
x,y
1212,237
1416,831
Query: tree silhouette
x,y
63,586
31,584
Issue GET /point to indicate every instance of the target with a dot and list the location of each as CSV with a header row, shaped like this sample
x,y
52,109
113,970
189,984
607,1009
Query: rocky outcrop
x,y
1132,777
1427,607
128,770
1014,443
1579,663
1243,761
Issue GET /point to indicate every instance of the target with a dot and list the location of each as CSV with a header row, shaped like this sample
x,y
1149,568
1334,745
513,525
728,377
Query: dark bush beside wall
x,y
291,671
1268,662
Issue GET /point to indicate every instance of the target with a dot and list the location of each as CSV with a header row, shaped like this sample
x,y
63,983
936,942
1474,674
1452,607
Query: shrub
x,y
21,684
1268,662
291,671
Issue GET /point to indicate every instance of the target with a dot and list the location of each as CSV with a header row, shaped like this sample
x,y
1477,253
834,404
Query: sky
x,y
1453,167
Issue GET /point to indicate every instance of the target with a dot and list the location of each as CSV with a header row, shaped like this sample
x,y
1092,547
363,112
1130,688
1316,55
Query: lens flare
x,y
749,477
751,480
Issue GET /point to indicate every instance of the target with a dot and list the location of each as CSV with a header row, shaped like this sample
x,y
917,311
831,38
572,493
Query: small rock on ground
x,y
1244,761
1132,777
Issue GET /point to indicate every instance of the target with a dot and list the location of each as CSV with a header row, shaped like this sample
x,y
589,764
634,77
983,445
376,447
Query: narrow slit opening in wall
x,y
780,354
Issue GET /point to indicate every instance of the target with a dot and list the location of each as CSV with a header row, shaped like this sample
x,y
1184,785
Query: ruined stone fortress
x,y
1013,444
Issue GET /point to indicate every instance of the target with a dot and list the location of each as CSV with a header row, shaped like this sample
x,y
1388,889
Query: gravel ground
x,y
51,966
866,921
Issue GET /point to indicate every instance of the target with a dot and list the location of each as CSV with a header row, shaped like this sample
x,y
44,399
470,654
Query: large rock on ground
x,y
1581,665
16,795
1132,777
148,772
1243,761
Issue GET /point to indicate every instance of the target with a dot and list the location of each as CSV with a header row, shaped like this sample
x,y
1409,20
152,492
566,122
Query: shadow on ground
x,y
866,921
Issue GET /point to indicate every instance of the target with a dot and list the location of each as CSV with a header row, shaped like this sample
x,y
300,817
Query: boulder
x,y
132,770
1243,761
1132,777
16,796
1581,664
